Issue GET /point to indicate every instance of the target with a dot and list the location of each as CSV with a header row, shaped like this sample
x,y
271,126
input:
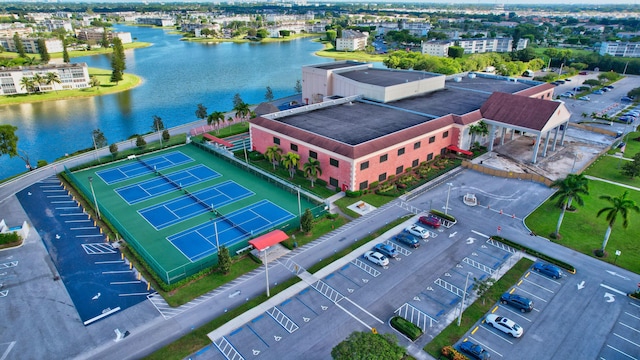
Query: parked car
x,y
474,350
418,231
598,92
584,98
386,249
621,145
376,258
430,220
548,269
626,99
567,94
519,302
604,89
582,73
627,119
407,239
560,81
610,87
505,325
633,113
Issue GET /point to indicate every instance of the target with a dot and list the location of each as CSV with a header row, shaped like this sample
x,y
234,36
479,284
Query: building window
x,y
364,165
313,154
276,140
334,162
432,139
294,147
430,157
333,182
443,151
382,177
400,151
399,170
384,158
415,163
445,134
364,185
416,145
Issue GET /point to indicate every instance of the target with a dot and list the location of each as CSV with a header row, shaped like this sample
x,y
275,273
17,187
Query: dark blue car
x,y
548,269
474,351
386,249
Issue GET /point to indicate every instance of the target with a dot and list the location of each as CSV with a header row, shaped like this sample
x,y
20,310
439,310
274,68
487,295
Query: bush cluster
x,y
442,215
407,328
9,238
451,353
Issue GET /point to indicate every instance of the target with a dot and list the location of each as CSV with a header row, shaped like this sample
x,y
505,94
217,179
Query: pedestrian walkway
x,y
612,182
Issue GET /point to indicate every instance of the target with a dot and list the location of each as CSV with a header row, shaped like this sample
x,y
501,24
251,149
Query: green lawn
x,y
330,52
610,167
583,231
633,145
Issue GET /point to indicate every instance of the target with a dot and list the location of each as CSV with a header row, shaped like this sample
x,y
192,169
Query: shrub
x,y
256,156
374,185
9,238
442,215
407,328
353,194
42,163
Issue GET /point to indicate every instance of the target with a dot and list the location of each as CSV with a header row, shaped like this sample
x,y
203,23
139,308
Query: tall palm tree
x,y
53,78
273,154
290,161
569,189
230,121
480,128
27,84
242,110
619,206
312,169
215,118
38,80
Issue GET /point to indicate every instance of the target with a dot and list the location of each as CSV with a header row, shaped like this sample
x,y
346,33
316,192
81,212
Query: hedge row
x,y
407,328
539,255
442,215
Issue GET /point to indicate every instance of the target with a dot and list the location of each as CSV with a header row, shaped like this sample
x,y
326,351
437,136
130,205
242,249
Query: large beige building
x,y
472,46
31,45
352,40
71,76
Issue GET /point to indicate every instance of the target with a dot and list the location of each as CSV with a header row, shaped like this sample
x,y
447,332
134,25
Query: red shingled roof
x,y
517,110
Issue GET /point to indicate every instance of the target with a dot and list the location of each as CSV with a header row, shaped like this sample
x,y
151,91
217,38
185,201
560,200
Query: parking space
x,y
623,341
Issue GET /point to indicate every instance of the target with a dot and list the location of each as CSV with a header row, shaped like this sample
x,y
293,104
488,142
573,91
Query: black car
x,y
519,302
474,351
407,239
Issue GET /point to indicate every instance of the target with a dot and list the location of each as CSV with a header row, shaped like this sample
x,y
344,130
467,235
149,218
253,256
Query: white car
x,y
376,258
418,231
505,325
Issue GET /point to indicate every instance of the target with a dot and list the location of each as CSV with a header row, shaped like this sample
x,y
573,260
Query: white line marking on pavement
x,y
540,286
613,289
484,345
480,234
627,340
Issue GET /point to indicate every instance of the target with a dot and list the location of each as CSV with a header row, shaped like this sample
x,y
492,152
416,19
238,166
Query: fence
x,y
506,174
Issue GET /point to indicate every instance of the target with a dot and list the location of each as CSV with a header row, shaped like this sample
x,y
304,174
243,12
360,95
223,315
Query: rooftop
x,y
386,77
337,65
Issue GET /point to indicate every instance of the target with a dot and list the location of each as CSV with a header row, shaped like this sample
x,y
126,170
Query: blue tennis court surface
x,y
138,192
200,241
173,211
143,167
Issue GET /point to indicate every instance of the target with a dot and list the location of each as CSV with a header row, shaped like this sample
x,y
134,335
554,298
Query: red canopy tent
x,y
457,149
264,242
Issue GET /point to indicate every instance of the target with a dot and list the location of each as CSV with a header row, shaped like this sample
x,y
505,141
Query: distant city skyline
x,y
439,2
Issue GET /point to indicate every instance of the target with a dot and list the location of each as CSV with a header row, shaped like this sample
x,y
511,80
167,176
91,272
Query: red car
x,y
583,73
431,220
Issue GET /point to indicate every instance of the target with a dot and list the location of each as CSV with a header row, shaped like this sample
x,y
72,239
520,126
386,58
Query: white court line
x,y
6,352
613,289
627,340
96,235
484,345
135,294
109,262
125,282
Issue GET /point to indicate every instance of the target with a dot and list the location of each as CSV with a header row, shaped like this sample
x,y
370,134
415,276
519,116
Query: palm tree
x,y
53,78
38,80
569,189
290,161
242,110
215,118
480,128
273,154
230,121
619,205
312,169
27,84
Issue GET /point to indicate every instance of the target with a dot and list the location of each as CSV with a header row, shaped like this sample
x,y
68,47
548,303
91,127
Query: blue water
x,y
177,76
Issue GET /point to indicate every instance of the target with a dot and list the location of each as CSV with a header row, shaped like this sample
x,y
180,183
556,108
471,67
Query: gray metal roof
x,y
386,77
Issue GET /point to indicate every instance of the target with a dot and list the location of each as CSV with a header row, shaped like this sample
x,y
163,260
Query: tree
x,y
273,154
620,205
592,82
229,122
140,141
165,135
298,87
19,45
215,118
201,112
28,84
99,140
455,52
480,128
570,188
224,260
52,78
632,168
306,221
65,53
37,81
331,35
290,161
8,140
117,60
42,50
368,346
113,149
94,82
269,94
312,169
157,124
237,100
242,111
105,40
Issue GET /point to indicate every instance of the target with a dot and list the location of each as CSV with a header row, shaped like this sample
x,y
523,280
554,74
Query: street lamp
x,y
618,253
95,201
446,206
299,208
464,295
266,269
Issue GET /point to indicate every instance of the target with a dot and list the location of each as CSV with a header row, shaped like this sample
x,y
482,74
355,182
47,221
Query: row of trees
x,y
291,161
32,84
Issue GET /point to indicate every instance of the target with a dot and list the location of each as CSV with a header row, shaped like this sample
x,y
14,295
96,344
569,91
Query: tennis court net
x,y
197,200
145,164
166,178
226,219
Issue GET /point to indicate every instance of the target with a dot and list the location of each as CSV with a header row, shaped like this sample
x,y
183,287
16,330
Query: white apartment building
x,y
472,46
622,49
437,47
94,35
72,76
352,40
53,24
31,45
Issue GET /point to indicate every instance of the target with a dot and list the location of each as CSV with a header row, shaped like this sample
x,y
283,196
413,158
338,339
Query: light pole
x,y
95,201
266,269
618,253
464,295
95,146
446,206
299,208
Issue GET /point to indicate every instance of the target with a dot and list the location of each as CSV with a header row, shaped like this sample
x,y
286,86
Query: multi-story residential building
x,y
622,49
472,46
365,125
437,47
71,76
156,21
31,44
352,40
94,35
8,30
53,24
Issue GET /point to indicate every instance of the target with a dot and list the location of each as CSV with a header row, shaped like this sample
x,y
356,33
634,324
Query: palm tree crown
x,y
312,169
620,205
569,189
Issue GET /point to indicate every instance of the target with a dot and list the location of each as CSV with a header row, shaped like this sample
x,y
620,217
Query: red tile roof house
x,y
364,124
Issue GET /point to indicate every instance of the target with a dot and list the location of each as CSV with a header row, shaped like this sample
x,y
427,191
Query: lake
x,y
177,75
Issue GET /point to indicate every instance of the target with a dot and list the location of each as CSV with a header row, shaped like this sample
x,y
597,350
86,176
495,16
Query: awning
x,y
217,140
457,149
270,239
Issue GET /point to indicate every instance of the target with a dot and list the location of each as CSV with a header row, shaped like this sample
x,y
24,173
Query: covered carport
x,y
505,113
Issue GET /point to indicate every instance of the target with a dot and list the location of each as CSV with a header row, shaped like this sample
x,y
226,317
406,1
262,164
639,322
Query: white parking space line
x,y
638,306
614,289
627,340
540,286
621,352
495,332
480,234
484,346
6,352
518,313
633,316
531,294
628,326
542,276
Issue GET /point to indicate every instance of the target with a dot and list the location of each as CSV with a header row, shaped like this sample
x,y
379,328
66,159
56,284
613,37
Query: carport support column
x,y
492,136
536,145
504,133
555,138
546,144
564,131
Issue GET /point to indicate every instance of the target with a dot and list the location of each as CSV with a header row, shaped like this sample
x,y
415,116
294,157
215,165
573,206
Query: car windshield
x,y
516,327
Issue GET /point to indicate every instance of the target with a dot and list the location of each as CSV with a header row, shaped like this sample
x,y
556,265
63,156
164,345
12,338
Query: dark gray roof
x,y
386,77
338,65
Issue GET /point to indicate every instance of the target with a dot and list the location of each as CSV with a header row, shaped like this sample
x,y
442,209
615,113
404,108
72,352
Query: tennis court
x,y
193,204
163,184
143,167
200,241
